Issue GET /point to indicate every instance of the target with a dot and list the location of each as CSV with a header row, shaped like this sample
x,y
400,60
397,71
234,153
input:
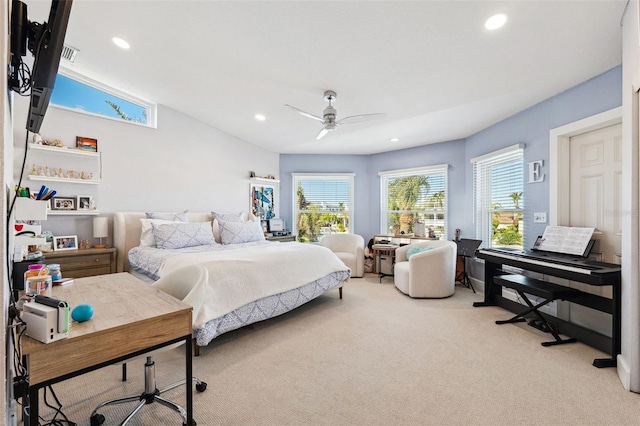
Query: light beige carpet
x,y
377,357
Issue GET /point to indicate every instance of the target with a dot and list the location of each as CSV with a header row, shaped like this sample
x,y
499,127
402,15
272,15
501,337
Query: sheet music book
x,y
566,239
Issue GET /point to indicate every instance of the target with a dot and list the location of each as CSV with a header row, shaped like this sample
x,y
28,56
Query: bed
x,y
248,281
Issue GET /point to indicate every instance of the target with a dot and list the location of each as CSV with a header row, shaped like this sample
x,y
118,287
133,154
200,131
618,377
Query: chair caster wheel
x,y
97,420
200,387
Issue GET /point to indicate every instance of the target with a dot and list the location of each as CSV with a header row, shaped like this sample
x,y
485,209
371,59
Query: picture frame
x,y
276,225
84,202
265,225
63,203
87,144
65,242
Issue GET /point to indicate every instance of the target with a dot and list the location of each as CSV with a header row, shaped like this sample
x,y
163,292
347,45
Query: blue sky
x,y
73,94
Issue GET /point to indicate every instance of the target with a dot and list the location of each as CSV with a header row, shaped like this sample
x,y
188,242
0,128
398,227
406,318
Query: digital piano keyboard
x,y
599,273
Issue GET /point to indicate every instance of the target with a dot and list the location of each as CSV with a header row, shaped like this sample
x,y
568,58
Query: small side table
x,y
388,253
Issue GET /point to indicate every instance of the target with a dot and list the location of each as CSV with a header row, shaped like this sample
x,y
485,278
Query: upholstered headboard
x,y
126,233
127,228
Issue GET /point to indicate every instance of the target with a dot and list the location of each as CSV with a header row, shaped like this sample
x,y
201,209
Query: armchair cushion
x,y
429,273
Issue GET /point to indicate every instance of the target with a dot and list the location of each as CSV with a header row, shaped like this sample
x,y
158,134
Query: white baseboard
x,y
624,374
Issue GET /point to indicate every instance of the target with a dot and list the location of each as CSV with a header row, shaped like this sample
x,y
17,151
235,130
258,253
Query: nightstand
x,y
84,263
282,238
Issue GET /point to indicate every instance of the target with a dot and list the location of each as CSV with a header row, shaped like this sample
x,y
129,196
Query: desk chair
x,y
189,285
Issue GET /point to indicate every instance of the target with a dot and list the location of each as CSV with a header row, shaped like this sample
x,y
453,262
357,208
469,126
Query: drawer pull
x,y
97,260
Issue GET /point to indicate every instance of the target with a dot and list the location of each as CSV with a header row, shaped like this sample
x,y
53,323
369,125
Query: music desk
x,y
130,318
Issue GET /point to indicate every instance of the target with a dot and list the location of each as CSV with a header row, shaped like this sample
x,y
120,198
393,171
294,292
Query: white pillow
x,y
183,234
146,235
175,217
227,217
240,232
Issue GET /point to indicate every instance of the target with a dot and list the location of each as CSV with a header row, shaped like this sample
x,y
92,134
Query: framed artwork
x,y
84,202
87,144
63,203
67,242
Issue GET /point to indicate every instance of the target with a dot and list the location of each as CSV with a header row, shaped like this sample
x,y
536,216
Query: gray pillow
x,y
183,234
240,232
175,217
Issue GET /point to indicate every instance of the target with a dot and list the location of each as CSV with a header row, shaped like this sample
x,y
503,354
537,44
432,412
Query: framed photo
x,y
63,203
276,225
265,225
87,144
67,242
84,202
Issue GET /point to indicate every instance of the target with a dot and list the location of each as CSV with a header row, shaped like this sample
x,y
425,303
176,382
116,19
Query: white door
x,y
595,201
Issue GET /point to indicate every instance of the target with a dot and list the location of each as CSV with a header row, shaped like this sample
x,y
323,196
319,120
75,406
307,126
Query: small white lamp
x,y
100,230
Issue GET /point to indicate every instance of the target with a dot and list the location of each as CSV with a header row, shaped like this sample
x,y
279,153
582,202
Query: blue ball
x,y
82,313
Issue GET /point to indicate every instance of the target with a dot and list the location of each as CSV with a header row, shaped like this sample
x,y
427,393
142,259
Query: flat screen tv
x,y
45,41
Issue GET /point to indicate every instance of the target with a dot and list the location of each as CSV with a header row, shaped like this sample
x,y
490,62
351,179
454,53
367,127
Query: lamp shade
x,y
100,227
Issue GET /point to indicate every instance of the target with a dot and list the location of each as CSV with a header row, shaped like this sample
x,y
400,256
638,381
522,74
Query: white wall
x,y
629,360
5,187
183,164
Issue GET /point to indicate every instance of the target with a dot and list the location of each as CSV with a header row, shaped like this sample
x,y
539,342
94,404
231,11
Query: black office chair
x,y
189,285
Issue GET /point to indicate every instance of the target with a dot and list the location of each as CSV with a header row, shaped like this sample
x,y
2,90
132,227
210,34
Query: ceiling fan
x,y
328,118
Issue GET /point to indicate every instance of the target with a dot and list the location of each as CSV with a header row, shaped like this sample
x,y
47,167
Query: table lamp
x,y
100,230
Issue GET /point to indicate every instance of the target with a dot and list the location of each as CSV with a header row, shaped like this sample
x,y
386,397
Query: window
x,y
499,202
81,94
323,204
412,195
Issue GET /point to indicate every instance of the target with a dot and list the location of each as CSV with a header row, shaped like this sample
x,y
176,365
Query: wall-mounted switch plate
x,y
540,217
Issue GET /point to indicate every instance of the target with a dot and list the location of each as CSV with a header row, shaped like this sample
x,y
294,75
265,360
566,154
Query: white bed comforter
x,y
237,277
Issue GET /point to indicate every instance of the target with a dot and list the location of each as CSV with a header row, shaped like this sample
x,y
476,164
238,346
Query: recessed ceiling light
x,y
394,140
120,42
260,117
496,21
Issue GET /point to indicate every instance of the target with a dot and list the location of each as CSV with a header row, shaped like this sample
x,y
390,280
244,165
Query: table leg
x,y
189,380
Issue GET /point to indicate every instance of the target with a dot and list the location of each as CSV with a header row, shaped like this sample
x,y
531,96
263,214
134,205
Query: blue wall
x,y
530,127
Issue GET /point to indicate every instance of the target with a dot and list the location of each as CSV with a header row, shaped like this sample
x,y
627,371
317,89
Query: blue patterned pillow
x,y
240,232
416,250
175,217
183,234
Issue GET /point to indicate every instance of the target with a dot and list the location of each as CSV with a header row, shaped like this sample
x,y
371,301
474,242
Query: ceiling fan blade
x,y
306,114
322,133
359,118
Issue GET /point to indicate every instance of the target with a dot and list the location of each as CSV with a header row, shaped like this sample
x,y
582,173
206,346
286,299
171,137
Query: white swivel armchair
x,y
429,273
188,284
349,248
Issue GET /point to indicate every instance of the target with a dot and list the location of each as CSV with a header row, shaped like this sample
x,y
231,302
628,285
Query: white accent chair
x,y
430,273
349,248
188,284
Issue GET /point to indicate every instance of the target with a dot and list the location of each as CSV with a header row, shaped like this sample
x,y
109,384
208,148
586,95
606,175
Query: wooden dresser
x,y
84,263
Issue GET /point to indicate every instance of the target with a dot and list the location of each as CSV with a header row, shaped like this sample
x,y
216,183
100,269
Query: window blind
x,y
499,197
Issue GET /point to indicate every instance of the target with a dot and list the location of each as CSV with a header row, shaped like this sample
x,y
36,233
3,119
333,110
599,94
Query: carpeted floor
x,y
376,357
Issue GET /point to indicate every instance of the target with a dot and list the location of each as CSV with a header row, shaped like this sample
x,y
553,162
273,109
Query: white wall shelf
x,y
64,180
64,151
73,212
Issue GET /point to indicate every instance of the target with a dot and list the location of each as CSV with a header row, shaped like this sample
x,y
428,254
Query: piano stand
x,y
543,289
465,280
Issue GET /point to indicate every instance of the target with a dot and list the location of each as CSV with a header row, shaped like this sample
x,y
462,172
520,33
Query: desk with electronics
x,y
130,318
562,252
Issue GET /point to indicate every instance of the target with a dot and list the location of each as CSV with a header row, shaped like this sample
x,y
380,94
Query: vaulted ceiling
x,y
431,66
